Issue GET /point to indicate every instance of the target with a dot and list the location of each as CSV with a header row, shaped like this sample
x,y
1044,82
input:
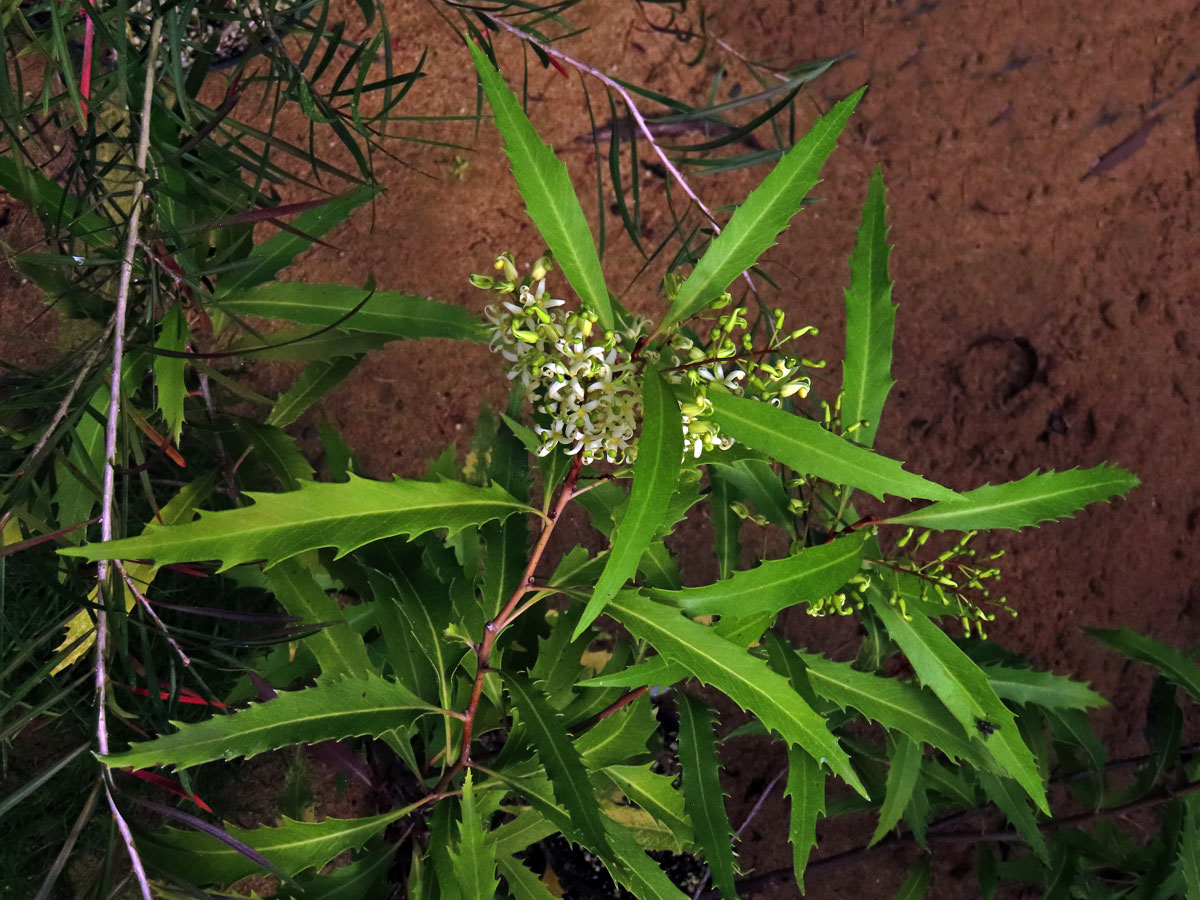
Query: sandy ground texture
x,y
1041,159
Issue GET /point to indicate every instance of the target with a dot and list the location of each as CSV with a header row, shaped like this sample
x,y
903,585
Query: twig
x,y
625,699
110,448
145,602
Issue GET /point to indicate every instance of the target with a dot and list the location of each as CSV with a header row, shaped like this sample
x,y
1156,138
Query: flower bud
x,y
484,282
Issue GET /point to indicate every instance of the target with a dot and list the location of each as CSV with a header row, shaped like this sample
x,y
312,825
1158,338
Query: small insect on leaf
x,y
986,728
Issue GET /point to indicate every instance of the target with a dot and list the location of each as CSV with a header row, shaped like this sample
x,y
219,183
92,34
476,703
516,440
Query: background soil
x,y
1041,160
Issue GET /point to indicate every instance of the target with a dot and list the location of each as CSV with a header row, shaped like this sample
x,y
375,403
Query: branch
x,y
110,447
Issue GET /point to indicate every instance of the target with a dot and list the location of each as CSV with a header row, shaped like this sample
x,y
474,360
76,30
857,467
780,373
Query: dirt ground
x,y
1041,159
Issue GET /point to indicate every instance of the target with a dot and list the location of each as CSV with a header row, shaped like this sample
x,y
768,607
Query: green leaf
x,y
522,882
1010,800
904,769
293,847
917,882
391,314
703,797
549,196
811,574
330,711
278,452
755,225
745,679
1188,861
346,515
563,764
656,794
474,856
655,477
1036,498
314,383
169,370
755,480
364,879
529,827
1043,689
870,321
964,688
806,790
725,522
338,649
1171,664
271,256
809,449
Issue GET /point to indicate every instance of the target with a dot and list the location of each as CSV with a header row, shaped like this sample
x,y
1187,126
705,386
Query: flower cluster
x,y
584,383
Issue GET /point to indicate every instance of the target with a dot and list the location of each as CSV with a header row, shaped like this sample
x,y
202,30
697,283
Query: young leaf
x,y
655,477
1043,689
330,711
1173,665
293,847
338,649
809,449
811,574
391,314
904,769
562,761
703,797
549,196
168,370
745,679
964,688
870,321
346,515
755,225
474,857
806,790
1007,796
1036,498
314,383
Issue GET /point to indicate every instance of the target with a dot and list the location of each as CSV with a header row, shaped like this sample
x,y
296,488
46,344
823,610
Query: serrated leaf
x,y
279,453
391,314
655,477
563,764
809,449
806,791
1011,800
1187,863
917,882
1071,726
725,522
964,688
338,648
745,679
292,847
811,574
904,769
549,196
754,480
169,370
522,882
529,827
1036,498
656,794
870,321
755,225
649,833
703,797
1172,664
330,711
346,515
364,879
474,857
318,379
1044,689
268,258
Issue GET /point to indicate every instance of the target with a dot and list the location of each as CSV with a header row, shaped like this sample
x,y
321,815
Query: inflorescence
x,y
585,383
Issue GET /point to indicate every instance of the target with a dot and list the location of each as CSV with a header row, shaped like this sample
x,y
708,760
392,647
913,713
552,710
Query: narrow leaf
x,y
904,769
745,679
169,370
1043,689
806,791
755,225
563,764
329,711
1188,861
775,585
703,797
917,882
549,196
655,477
314,383
1010,800
964,688
522,882
346,515
870,321
725,522
809,449
1171,664
391,314
1036,498
474,856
